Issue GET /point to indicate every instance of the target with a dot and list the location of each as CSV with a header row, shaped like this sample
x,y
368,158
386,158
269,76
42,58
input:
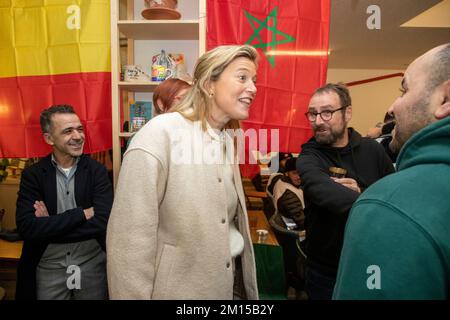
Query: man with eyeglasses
x,y
328,199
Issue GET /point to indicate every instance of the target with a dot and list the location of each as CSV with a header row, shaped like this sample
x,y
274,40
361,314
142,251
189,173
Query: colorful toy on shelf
x,y
162,67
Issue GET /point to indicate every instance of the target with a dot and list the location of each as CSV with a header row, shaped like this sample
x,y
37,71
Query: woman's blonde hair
x,y
195,105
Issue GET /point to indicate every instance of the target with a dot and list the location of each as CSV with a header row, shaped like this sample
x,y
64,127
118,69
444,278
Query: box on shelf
x,y
132,73
140,114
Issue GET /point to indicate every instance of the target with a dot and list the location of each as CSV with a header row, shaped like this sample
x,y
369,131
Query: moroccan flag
x,y
292,39
53,52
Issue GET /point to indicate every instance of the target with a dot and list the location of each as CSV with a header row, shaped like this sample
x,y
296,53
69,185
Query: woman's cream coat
x,y
168,235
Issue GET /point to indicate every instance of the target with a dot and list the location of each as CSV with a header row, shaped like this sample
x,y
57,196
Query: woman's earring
x,y
211,94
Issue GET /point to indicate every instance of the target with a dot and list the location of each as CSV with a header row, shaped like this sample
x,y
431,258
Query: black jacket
x,y
288,204
327,202
92,189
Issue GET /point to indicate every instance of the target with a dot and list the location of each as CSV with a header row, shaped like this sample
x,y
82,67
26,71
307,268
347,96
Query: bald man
x,y
396,243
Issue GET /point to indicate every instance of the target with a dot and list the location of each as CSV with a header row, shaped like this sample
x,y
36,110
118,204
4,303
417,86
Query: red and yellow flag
x,y
292,39
53,52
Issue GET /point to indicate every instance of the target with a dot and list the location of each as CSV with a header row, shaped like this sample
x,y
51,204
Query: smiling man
x,y
328,200
397,240
63,207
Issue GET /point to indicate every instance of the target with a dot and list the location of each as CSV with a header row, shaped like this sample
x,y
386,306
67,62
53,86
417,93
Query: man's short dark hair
x,y
340,89
46,115
440,68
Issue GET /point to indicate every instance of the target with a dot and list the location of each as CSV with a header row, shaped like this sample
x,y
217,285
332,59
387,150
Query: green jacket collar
x,y
429,145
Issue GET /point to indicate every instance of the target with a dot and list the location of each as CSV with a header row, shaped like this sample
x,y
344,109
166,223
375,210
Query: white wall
x,y
144,50
370,100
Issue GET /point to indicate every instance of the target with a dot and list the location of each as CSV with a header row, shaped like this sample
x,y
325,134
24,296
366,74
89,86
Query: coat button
x,y
220,179
223,220
228,265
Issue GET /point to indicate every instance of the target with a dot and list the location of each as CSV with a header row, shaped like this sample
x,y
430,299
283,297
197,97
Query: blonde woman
x,y
179,228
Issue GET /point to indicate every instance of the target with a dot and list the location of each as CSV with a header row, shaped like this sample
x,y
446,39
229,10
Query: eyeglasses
x,y
326,115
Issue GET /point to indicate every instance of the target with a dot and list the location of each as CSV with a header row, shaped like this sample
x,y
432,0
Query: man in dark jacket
x,y
328,199
63,207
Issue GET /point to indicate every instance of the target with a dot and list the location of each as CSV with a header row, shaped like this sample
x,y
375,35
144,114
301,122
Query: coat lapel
x,y
80,179
49,185
236,172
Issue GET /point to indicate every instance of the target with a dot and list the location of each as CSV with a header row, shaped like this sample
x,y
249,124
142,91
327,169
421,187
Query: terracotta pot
x,y
161,10
170,4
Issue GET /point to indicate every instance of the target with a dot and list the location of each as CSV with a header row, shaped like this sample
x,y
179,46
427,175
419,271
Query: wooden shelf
x,y
159,34
138,86
160,29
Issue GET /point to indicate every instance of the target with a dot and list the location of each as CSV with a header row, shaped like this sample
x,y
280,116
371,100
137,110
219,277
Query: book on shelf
x,y
140,114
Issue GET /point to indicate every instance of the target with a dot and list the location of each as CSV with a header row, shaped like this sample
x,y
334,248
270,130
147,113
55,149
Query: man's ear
x,y
48,139
443,109
348,113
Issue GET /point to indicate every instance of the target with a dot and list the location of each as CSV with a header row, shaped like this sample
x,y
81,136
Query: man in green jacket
x,y
397,239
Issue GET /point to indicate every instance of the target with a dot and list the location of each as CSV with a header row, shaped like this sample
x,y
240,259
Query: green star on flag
x,y
273,29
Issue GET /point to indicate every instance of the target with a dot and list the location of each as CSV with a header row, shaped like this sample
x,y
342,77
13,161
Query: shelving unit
x,y
138,86
145,39
160,29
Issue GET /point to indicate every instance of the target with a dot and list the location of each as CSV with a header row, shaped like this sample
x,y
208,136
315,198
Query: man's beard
x,y
332,136
419,118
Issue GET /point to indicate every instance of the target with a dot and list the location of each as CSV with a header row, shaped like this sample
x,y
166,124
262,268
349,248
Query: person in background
x,y
396,243
382,133
284,189
259,182
283,157
328,199
179,226
375,132
63,206
168,93
386,136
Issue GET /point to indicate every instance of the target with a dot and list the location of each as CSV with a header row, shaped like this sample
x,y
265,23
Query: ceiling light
x,y
306,53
